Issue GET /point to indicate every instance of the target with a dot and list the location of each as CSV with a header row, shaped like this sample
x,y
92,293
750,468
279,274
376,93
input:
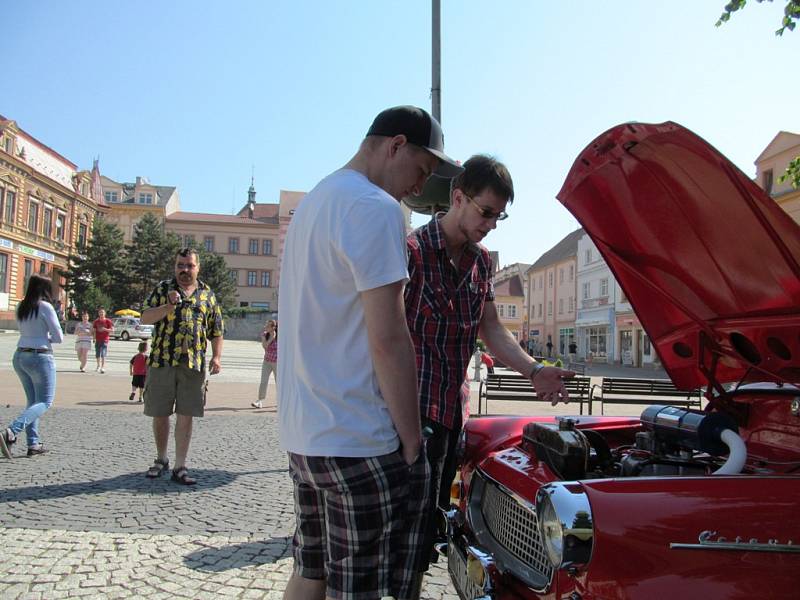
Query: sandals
x,y
158,468
181,475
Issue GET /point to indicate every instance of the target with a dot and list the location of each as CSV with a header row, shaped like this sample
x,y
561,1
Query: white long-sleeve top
x,y
42,330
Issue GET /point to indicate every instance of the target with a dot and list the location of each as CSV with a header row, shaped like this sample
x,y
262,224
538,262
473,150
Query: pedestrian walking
x,y
347,402
138,370
83,340
34,364
102,329
186,317
269,341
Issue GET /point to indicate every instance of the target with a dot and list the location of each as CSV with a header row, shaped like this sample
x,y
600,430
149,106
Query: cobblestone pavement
x,y
82,521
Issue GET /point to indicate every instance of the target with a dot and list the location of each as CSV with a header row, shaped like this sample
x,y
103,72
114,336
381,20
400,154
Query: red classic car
x,y
674,503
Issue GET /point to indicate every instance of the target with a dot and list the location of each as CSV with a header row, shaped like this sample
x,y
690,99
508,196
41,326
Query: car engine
x,y
674,442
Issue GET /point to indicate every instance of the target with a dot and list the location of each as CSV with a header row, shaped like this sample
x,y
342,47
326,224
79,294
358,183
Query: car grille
x,y
457,566
515,527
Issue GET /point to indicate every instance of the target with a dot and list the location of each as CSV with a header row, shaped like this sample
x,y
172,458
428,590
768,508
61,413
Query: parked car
x,y
673,503
126,328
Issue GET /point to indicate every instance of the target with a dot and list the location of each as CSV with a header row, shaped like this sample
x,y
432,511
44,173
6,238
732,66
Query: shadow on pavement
x,y
110,403
136,483
237,556
248,409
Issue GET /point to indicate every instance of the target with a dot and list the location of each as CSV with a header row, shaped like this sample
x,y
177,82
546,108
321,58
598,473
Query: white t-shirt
x,y
346,236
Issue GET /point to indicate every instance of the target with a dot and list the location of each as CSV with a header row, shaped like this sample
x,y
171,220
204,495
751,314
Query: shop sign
x,y
37,253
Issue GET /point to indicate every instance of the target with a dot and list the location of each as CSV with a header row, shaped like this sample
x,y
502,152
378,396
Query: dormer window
x,y
111,197
145,198
8,144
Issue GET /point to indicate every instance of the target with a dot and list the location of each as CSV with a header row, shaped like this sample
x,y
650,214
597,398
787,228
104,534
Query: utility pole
x,y
436,55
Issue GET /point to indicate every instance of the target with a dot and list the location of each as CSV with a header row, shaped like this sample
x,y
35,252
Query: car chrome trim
x,y
537,574
707,542
571,505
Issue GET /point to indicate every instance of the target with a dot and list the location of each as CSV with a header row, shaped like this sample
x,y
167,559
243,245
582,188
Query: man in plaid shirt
x,y
449,301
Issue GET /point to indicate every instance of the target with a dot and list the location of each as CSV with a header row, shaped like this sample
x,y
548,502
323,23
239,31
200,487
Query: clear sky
x,y
195,93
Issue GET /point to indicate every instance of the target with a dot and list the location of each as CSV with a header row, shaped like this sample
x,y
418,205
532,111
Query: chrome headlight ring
x,y
566,526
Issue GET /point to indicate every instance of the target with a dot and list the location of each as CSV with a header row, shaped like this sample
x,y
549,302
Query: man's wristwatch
x,y
537,366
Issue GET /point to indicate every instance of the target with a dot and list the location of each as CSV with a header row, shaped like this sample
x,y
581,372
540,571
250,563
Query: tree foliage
x,y
98,277
791,13
151,257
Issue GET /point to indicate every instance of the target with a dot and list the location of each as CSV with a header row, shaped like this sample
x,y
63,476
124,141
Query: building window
x,y
33,216
512,311
2,202
588,256
145,198
267,247
47,221
253,247
539,312
550,279
28,270
61,219
42,268
768,180
111,197
188,241
11,207
233,245
561,276
234,273
541,282
3,273
251,278
571,303
596,341
501,310
208,243
265,278
549,308
82,236
8,144
571,272
604,288
587,290
561,306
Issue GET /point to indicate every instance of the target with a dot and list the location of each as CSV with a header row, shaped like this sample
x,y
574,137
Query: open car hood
x,y
709,262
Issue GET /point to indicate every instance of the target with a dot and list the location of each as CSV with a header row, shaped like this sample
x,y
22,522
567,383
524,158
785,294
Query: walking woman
x,y
34,363
269,341
83,339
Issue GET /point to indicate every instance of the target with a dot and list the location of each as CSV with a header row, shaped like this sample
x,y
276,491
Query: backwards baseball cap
x,y
420,129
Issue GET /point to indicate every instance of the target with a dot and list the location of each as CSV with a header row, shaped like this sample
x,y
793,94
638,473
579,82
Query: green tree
x,y
150,257
99,275
791,14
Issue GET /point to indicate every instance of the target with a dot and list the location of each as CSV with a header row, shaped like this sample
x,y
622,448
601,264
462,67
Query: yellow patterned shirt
x,y
182,336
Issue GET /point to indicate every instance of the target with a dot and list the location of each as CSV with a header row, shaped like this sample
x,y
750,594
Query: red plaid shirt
x,y
444,307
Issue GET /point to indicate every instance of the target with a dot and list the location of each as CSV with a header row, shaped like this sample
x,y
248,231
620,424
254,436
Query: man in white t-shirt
x,y
347,404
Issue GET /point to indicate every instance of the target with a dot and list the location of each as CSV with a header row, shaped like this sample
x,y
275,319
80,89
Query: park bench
x,y
513,386
622,390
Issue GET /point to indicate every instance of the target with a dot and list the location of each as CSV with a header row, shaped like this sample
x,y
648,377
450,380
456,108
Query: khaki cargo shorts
x,y
171,389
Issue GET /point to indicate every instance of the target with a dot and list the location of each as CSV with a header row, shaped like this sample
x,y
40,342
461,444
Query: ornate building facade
x,y
47,207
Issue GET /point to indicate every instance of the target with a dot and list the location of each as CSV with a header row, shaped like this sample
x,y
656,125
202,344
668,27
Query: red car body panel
x,y
709,261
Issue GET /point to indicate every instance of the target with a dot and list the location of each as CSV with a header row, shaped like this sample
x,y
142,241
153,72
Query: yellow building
x,y
128,202
509,299
772,163
47,207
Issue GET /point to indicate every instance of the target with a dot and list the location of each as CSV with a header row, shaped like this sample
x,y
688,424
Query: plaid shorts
x,y
360,523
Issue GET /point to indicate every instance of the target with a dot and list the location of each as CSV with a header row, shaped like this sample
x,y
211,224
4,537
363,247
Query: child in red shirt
x,y
138,368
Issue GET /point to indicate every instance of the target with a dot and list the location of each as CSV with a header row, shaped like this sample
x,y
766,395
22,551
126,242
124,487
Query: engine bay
x,y
671,441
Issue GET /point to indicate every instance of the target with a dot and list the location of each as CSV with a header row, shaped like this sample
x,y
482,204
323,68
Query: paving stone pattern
x,y
83,521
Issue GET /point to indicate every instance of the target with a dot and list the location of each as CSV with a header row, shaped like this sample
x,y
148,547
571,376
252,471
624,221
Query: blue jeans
x,y
37,373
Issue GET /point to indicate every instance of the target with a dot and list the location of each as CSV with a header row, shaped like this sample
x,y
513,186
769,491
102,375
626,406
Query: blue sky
x,y
193,94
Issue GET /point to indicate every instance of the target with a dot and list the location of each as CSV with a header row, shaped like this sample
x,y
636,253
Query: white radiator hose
x,y
737,456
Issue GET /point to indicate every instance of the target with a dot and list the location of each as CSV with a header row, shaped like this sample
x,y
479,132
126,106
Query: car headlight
x,y
565,524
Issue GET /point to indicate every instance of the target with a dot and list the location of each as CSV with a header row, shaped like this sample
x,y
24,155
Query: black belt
x,y
37,350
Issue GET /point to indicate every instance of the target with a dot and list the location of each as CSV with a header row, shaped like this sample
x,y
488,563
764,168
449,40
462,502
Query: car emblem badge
x,y
710,540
